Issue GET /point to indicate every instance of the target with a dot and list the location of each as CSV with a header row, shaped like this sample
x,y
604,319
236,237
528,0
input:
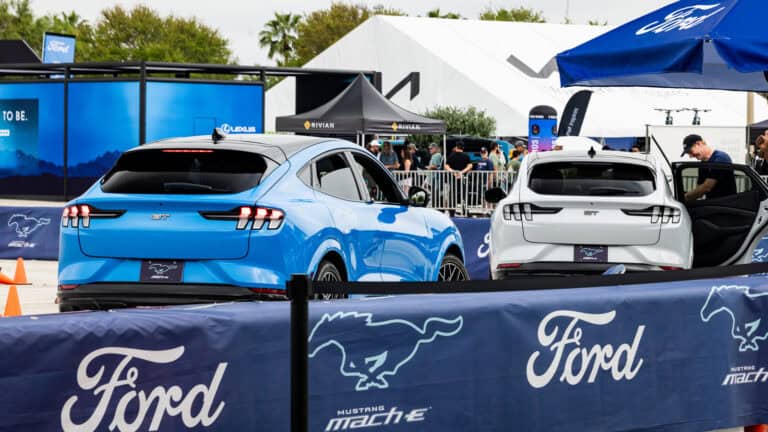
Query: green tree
x,y
321,29
280,35
597,23
17,21
521,14
142,34
464,121
435,13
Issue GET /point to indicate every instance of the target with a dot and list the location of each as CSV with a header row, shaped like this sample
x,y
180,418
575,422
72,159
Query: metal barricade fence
x,y
462,194
465,195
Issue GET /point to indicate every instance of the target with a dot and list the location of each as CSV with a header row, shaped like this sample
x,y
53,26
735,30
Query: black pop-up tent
x,y
360,109
756,129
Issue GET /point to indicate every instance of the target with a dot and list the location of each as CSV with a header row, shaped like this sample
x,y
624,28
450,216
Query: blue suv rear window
x,y
186,171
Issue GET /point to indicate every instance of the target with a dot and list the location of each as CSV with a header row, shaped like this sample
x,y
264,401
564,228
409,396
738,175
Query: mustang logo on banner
x,y
24,225
372,368
29,232
749,324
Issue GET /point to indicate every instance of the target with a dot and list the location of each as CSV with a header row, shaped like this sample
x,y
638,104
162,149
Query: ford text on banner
x,y
597,359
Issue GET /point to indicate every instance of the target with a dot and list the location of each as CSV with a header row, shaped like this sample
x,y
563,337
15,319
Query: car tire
x,y
328,272
452,269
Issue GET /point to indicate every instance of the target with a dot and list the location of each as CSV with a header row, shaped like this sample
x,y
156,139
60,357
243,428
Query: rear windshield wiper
x,y
191,187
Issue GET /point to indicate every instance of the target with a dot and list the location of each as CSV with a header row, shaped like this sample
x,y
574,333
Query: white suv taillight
x,y
663,214
519,210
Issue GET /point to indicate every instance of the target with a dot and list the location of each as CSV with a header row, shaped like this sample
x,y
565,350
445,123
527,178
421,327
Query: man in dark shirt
x,y
458,164
712,182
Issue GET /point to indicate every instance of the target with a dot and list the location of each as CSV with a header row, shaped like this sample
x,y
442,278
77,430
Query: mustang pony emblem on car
x,y
24,225
747,327
160,269
372,367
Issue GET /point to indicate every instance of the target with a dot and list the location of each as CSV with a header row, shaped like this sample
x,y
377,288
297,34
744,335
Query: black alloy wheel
x,y
452,270
328,272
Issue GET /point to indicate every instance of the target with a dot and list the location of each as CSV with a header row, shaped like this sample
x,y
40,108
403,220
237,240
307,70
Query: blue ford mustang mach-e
x,y
217,218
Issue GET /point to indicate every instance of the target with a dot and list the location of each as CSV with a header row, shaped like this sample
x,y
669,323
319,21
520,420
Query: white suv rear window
x,y
592,179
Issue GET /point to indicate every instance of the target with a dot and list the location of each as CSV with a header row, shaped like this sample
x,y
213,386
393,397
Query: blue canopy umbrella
x,y
687,44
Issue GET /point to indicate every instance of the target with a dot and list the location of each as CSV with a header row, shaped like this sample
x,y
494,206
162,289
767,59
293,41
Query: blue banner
x,y
475,232
684,356
29,232
58,48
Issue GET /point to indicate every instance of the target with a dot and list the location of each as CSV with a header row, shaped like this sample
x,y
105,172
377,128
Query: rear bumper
x,y
565,269
121,295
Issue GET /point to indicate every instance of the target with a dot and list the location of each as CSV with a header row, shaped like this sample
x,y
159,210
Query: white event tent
x,y
504,68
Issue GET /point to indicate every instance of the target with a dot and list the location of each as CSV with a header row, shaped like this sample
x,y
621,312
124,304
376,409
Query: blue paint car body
x,y
373,241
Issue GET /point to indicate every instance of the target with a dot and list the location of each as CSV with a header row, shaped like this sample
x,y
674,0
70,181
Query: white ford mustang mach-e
x,y
583,211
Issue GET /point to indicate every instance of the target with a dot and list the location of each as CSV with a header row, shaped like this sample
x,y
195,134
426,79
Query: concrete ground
x,y
39,297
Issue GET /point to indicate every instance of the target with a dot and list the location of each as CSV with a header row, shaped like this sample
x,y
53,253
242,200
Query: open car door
x,y
729,222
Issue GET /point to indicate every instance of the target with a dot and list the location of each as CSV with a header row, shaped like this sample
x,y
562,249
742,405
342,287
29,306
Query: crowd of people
x,y
413,165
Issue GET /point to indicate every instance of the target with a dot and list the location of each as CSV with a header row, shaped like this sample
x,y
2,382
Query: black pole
x,y
299,289
65,140
143,103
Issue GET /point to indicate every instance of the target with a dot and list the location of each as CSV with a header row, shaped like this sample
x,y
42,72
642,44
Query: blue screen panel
x,y
103,123
195,108
542,132
32,139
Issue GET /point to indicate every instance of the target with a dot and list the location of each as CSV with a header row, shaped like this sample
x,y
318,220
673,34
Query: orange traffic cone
x,y
12,305
5,280
756,428
20,277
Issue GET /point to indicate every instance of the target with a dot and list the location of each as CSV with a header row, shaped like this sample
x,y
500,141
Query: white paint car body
x,y
550,216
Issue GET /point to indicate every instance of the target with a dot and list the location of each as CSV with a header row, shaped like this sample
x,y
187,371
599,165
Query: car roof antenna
x,y
592,152
217,135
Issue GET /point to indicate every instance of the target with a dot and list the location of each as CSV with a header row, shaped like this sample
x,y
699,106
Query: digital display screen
x,y
103,123
541,133
176,108
31,139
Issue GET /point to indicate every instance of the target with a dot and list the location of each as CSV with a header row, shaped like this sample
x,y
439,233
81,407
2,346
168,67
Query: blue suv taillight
x,y
81,215
261,216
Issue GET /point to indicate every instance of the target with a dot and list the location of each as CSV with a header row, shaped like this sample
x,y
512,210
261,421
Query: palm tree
x,y
279,35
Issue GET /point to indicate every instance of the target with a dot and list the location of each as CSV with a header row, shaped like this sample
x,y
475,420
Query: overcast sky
x,y
241,20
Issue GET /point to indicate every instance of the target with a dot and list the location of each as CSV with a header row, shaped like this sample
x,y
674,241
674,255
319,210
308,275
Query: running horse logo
x,y
395,343
160,269
743,306
24,225
591,252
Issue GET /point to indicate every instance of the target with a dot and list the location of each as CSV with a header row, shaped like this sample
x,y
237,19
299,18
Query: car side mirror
x,y
418,197
495,195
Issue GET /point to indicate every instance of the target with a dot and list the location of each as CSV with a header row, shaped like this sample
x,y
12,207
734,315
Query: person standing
x,y
408,167
388,157
435,179
435,158
759,163
458,164
374,148
374,141
712,182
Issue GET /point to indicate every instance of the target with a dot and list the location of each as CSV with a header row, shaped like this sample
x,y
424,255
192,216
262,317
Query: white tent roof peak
x,y
504,68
